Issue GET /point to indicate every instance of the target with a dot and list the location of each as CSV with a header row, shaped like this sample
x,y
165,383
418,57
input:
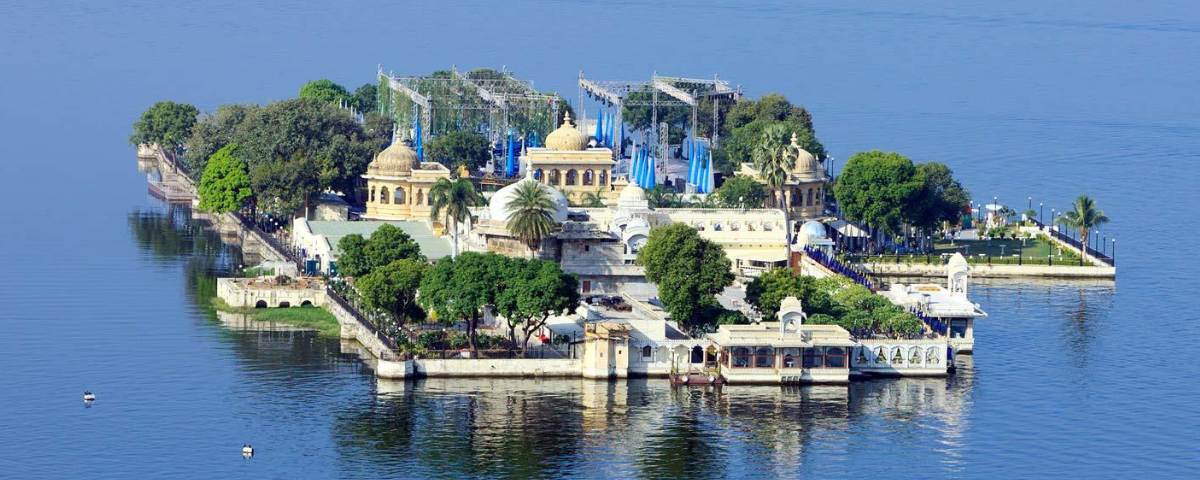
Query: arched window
x,y
931,356
372,200
810,197
835,357
820,195
537,175
399,196
429,200
603,177
589,178
764,357
914,355
383,195
741,357
647,352
571,176
880,355
420,197
813,357
697,354
554,177
897,356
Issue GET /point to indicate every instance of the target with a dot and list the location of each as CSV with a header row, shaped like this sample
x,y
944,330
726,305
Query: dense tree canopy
x,y
166,123
393,288
531,214
831,301
941,198
741,191
532,291
689,271
460,287
324,90
358,256
213,131
365,98
457,149
287,184
740,145
767,290
876,188
225,186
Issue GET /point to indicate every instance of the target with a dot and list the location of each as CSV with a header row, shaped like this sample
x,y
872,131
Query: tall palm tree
x,y
592,200
774,158
455,198
1084,218
660,197
530,214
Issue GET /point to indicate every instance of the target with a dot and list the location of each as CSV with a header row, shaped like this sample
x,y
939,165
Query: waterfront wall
x,y
353,329
514,367
992,271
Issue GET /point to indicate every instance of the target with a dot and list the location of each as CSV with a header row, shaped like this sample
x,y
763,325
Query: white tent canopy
x,y
846,229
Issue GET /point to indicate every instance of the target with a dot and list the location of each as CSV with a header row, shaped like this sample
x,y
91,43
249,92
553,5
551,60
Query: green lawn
x,y
315,318
1003,252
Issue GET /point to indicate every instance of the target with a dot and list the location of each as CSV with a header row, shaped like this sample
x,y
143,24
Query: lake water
x,y
103,287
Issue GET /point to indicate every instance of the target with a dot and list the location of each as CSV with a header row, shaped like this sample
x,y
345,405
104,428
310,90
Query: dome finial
x,y
795,140
567,119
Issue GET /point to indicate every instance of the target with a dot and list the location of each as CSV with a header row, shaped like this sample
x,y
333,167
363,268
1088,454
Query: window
x,y
835,357
931,356
810,197
372,200
697,354
789,361
399,196
710,356
914,355
897,356
420,197
537,174
814,357
603,178
741,357
862,356
764,357
383,195
571,177
647,352
589,177
554,177
958,328
880,356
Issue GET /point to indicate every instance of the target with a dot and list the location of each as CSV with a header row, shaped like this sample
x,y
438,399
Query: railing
x,y
857,274
540,352
1091,252
337,298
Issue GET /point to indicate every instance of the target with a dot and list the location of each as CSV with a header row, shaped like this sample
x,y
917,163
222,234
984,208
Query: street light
x,y
1114,250
1030,203
1041,210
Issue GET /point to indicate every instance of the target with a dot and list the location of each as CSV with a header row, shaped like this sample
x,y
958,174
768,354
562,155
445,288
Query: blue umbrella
x,y
599,128
419,145
510,168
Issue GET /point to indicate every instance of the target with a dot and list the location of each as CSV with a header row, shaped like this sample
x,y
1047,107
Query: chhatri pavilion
x,y
398,185
804,189
568,164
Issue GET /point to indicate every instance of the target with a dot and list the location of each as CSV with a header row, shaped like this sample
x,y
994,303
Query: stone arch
x,y
537,175
572,177
554,178
647,352
399,196
372,200
810,197
697,355
603,177
420,197
589,177
914,355
306,303
260,304
284,304
383,195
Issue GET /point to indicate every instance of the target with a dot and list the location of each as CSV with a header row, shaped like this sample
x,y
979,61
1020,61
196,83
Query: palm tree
x,y
774,158
659,197
455,198
592,200
1084,217
708,201
530,214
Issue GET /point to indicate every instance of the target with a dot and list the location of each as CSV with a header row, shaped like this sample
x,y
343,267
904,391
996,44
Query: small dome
x,y
813,230
806,163
566,137
632,197
498,205
398,160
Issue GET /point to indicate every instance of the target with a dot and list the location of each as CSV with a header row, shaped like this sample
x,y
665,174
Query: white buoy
x,y
89,397
247,451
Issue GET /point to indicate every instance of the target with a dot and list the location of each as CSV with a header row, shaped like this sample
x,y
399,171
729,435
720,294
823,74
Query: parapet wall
x,y
515,367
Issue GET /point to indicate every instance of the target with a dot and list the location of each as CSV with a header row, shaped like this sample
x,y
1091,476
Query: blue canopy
x,y
419,145
510,167
599,128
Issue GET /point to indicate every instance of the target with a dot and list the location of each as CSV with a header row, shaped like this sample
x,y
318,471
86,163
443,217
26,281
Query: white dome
x,y
632,197
498,205
813,230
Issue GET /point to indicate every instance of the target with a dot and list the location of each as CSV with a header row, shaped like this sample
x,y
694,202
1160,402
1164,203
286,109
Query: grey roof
x,y
433,247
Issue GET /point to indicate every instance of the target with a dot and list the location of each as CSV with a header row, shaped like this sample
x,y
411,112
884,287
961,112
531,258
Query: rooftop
x,y
768,334
936,300
432,246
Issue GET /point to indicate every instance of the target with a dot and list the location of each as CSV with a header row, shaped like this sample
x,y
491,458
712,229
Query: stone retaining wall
x,y
514,367
991,271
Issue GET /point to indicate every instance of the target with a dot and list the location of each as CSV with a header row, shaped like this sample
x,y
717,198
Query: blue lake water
x,y
103,287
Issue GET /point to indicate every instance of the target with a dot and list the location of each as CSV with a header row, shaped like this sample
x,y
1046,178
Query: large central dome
x,y
398,160
566,137
498,205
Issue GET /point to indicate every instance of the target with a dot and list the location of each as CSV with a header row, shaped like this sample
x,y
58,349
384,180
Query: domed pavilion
x,y
398,184
568,164
804,189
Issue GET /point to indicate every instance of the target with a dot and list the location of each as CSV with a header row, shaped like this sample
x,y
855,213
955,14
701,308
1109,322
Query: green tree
x,y
877,187
393,289
592,200
213,132
167,124
741,191
771,107
774,159
460,149
460,287
531,214
365,97
769,289
387,244
454,198
660,197
225,186
689,271
325,91
352,256
740,145
941,197
533,291
1084,216
291,183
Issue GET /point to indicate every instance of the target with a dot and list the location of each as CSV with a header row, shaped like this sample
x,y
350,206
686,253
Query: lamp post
x,y
1041,211
928,248
1114,251
1030,203
1104,244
